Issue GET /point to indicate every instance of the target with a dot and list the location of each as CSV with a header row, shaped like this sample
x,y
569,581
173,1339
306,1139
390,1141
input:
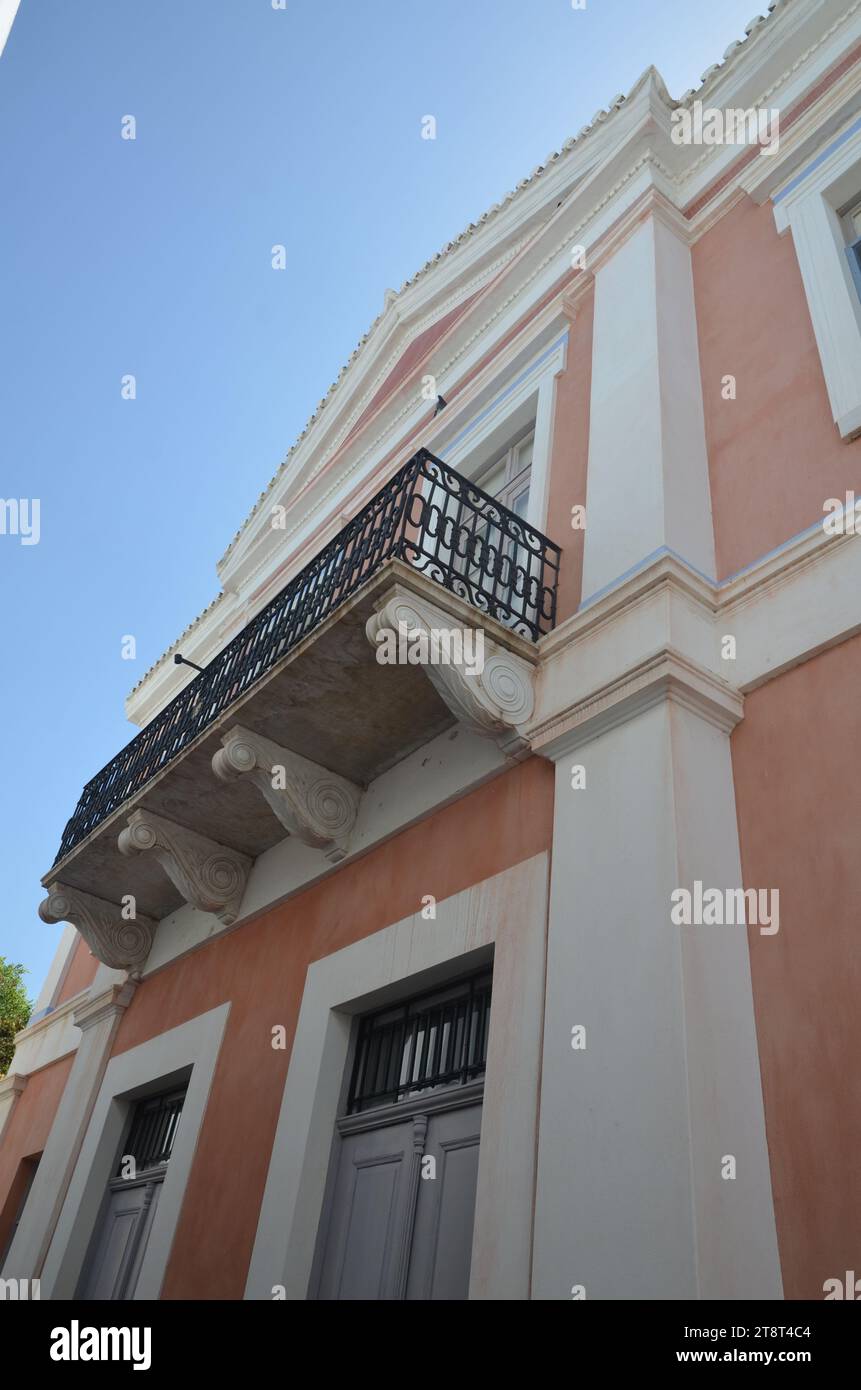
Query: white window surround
x,y
509,911
529,399
194,1044
809,206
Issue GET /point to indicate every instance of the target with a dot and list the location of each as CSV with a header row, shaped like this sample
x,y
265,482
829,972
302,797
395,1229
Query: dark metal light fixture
x,y
180,660
441,404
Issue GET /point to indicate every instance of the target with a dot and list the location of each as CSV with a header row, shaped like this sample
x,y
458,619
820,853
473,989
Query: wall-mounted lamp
x,y
180,660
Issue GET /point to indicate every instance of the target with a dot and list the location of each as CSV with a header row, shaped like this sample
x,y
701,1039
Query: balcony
x,y
302,678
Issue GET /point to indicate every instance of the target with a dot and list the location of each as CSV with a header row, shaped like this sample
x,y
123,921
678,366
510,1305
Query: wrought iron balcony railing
x,y
428,516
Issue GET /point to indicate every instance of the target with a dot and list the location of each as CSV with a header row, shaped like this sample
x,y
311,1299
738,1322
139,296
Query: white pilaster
x,y
648,484
98,1020
635,1128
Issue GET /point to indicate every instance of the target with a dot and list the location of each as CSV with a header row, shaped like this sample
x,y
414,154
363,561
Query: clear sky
x,y
255,126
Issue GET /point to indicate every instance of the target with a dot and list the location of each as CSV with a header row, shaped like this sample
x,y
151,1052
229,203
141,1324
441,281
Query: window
x,y
153,1132
852,225
820,206
119,1242
436,1040
508,478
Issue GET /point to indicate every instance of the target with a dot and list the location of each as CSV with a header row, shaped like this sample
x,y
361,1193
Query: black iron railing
x,y
427,515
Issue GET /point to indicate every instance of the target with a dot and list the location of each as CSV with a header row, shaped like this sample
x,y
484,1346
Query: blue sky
x,y
254,127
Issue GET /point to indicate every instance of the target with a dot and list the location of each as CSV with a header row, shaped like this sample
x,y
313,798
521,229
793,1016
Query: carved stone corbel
x,y
210,876
315,805
120,942
494,699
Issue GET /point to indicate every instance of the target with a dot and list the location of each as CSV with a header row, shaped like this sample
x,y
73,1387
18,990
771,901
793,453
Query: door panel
x,y
393,1234
369,1208
119,1245
445,1210
143,1241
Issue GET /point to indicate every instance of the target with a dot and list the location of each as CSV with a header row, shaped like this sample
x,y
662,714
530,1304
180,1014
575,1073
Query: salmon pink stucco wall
x,y
81,972
25,1134
570,456
799,811
261,968
775,454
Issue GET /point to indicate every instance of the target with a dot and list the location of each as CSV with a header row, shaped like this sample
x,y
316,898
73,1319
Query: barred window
x,y
436,1039
153,1131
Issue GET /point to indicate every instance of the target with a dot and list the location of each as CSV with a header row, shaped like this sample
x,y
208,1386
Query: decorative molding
x,y
506,245
440,310
586,189
420,1130
210,876
757,171
652,202
111,1004
315,805
11,1087
381,338
51,1036
571,300
494,701
667,675
13,1082
120,942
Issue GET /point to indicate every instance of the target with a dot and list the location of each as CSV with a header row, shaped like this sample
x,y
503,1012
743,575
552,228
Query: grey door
x,y
445,1210
392,1232
120,1241
118,1245
368,1216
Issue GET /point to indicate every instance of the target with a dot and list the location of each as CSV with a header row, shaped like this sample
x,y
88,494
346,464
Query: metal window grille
x,y
153,1131
434,1040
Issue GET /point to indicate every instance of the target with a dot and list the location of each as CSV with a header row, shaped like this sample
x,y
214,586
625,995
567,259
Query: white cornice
x,y
13,1083
791,58
50,1020
109,1005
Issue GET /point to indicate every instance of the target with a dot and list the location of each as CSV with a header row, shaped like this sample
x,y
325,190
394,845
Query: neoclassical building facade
x,y
480,918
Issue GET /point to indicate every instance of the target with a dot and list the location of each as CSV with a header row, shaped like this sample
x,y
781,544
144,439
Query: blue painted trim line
x,y
512,386
820,159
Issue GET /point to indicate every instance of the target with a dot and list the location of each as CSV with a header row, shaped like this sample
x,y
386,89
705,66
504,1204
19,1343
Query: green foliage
x,y
15,1009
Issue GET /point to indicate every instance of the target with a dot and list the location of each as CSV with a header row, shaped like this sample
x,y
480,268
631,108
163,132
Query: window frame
x,y
188,1052
469,988
519,401
515,480
851,218
812,204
